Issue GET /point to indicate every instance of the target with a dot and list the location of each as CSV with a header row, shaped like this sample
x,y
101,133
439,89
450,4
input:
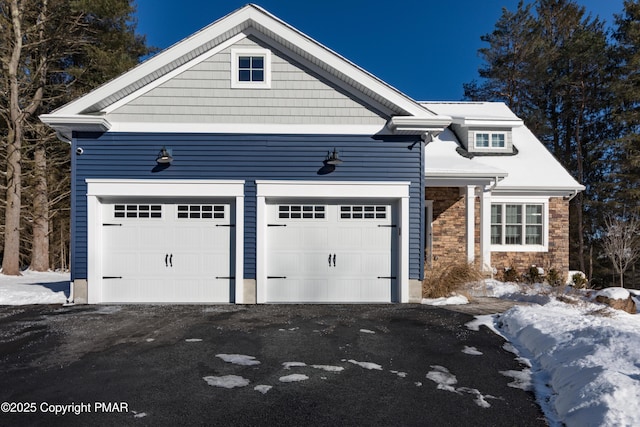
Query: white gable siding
x,y
203,94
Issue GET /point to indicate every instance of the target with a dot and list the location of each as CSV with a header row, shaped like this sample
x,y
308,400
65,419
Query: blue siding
x,y
250,158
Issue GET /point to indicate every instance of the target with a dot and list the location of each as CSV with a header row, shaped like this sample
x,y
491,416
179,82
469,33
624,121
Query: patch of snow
x,y
521,379
150,340
328,368
289,365
418,384
139,414
400,374
239,359
367,331
453,300
366,365
227,381
293,378
263,388
614,293
34,288
446,381
472,351
193,340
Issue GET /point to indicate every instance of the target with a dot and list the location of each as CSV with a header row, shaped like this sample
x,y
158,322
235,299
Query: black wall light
x,y
164,157
332,158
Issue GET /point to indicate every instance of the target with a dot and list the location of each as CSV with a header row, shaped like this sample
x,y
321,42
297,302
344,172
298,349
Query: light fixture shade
x,y
333,159
164,156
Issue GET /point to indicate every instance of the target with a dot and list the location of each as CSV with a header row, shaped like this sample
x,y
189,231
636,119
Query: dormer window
x,y
490,140
251,68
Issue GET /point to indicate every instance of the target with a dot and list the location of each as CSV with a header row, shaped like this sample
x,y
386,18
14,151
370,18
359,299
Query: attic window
x,y
250,68
490,140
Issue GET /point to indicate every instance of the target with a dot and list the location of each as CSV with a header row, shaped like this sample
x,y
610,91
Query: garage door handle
x,y
334,260
166,260
171,260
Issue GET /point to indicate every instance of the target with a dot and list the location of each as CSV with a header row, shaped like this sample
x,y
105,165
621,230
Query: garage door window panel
x,y
137,211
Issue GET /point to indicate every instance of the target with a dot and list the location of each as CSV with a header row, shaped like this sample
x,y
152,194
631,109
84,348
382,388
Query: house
x,y
248,163
494,192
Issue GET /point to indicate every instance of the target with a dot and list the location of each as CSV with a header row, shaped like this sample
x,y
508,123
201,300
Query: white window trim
x,y
544,247
490,147
237,84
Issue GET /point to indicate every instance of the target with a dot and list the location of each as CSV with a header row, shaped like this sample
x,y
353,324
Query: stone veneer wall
x,y
449,234
448,225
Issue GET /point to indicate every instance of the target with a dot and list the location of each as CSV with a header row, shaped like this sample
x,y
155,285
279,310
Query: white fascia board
x,y
164,188
487,122
333,189
254,128
411,125
459,181
66,124
537,191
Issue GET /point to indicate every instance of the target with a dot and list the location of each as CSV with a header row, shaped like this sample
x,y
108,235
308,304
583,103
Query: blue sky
x,y
425,48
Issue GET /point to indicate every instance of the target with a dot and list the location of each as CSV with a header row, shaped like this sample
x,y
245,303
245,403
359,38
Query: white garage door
x,y
167,252
330,252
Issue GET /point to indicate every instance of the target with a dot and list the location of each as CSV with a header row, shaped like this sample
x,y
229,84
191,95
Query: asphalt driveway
x,y
288,365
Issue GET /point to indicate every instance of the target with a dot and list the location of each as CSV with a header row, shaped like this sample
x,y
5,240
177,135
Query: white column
x,y
470,198
485,229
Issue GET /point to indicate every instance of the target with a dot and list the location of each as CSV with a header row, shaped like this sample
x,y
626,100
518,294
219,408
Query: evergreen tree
x,y
564,78
51,51
627,113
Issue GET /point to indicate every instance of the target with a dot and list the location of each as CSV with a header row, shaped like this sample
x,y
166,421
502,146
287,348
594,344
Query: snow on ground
x,y
584,358
366,365
34,288
293,378
226,381
452,300
239,359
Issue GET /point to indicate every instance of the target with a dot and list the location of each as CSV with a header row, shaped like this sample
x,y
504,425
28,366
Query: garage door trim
x,y
99,189
336,190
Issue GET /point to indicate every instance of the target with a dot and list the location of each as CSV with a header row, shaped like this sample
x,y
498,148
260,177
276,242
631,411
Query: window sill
x,y
519,248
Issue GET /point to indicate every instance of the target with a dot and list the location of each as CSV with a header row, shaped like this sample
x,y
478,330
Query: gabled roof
x,y
532,170
405,114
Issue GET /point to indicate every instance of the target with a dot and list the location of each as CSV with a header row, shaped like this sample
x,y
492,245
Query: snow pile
x,y
590,362
34,288
584,357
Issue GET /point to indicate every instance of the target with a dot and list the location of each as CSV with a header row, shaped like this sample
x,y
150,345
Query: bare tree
x,y
622,242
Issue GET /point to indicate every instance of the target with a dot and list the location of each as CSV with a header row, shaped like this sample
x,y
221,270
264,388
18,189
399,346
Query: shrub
x,y
443,280
555,277
579,281
510,275
533,275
